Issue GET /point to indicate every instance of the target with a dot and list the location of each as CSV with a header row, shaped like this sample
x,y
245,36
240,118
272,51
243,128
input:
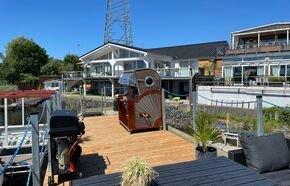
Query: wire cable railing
x,y
274,105
11,160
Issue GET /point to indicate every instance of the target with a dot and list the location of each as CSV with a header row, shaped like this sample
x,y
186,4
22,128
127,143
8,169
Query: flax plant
x,y
137,173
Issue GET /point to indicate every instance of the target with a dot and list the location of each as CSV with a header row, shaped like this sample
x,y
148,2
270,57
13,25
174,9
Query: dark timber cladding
x,y
211,171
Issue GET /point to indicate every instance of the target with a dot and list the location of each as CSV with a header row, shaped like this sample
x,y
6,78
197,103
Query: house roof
x,y
132,47
192,51
272,26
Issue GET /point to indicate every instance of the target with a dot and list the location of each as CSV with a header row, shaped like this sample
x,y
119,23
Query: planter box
x,y
222,149
181,134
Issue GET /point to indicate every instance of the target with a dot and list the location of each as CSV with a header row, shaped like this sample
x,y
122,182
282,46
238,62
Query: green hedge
x,y
8,87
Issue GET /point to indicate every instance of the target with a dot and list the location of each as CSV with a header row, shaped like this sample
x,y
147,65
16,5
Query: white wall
x,y
246,94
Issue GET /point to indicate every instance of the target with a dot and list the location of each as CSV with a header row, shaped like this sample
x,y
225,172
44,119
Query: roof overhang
x,y
105,49
248,30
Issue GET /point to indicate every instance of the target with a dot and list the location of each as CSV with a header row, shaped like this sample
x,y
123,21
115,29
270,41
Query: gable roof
x,y
272,26
132,47
192,51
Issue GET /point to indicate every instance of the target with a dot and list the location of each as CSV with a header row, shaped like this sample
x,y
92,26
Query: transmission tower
x,y
118,22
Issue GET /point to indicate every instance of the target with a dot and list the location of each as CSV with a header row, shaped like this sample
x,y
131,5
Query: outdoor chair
x,y
267,155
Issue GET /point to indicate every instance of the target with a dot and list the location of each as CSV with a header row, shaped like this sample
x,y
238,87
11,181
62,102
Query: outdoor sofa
x,y
268,155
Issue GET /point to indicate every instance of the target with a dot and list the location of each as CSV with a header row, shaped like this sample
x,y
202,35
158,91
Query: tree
x,y
53,67
23,56
70,62
211,68
1,56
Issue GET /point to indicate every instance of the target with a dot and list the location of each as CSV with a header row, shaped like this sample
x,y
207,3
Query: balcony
x,y
264,48
73,75
167,73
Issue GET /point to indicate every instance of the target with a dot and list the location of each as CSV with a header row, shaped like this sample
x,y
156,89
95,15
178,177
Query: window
x,y
227,72
130,65
106,56
288,70
260,71
282,70
135,54
103,69
161,64
183,64
141,64
123,53
274,70
237,71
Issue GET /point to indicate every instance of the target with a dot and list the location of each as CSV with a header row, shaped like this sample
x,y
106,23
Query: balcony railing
x,y
264,47
261,80
73,75
163,72
174,72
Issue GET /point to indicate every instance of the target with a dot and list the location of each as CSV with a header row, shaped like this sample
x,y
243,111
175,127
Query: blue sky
x,y
60,25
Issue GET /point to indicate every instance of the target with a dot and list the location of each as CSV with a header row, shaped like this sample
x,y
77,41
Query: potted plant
x,y
138,173
205,133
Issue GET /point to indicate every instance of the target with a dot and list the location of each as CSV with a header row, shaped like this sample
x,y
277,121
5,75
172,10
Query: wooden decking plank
x,y
191,175
261,183
208,179
197,165
246,180
193,170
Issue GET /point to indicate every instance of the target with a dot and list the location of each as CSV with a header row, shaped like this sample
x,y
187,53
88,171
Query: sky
x,y
77,26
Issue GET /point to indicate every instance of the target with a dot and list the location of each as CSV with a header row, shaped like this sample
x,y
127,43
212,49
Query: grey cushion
x,y
266,153
282,177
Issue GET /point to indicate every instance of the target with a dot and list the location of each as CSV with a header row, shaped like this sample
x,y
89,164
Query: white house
x,y
258,55
175,64
54,85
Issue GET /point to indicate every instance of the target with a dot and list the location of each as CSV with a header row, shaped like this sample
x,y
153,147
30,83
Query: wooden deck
x,y
107,146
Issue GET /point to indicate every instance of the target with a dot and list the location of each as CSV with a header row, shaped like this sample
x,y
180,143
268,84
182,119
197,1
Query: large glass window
x,y
227,72
274,70
288,70
237,71
103,69
123,53
282,70
135,54
130,65
237,74
161,64
141,64
105,56
260,71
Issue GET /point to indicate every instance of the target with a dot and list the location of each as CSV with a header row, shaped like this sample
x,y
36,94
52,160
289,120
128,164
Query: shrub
x,y
137,173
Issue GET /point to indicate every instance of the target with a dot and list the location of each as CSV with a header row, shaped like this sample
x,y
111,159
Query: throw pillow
x,y
266,153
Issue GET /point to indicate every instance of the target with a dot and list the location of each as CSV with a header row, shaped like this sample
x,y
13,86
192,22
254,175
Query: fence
x,y
234,116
